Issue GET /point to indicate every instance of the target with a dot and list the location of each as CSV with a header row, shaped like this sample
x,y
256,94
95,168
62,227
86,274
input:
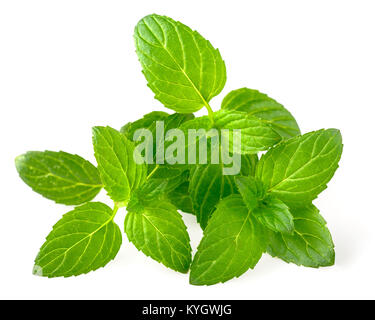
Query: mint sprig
x,y
265,206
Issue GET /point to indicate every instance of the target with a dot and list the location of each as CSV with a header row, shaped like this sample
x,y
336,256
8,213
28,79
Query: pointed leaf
x,y
233,242
297,170
207,187
180,198
275,215
311,244
251,190
182,68
59,176
147,122
157,229
115,156
248,164
84,240
256,135
263,107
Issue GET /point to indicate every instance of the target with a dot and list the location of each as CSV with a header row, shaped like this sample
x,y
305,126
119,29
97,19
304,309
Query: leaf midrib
x,y
205,103
83,239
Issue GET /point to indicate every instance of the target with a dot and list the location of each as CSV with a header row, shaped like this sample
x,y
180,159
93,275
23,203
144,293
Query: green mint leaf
x,y
59,176
115,156
167,171
207,187
275,215
159,143
157,229
203,122
297,170
155,188
147,122
84,240
311,244
182,68
248,164
269,211
180,198
194,124
256,135
251,190
233,242
263,107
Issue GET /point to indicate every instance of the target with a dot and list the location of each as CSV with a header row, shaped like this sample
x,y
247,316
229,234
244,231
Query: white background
x,y
66,66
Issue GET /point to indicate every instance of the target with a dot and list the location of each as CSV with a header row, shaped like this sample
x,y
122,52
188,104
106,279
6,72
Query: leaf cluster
x,y
266,207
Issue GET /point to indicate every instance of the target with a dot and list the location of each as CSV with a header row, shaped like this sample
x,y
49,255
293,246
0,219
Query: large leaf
x,y
157,229
59,176
182,68
261,106
115,156
256,135
207,187
84,240
297,170
233,242
311,244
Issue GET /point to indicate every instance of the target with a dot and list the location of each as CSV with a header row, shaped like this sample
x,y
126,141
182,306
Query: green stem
x,y
210,112
152,172
115,209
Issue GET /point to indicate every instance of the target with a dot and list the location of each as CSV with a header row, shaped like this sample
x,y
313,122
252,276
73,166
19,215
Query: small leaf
x,y
256,135
159,143
297,170
251,190
84,240
147,122
275,215
233,242
156,188
115,156
167,171
203,122
59,176
182,68
180,198
157,229
311,244
207,187
258,104
248,164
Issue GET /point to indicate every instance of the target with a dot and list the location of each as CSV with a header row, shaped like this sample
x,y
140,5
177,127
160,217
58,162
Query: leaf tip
x,y
18,161
37,271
